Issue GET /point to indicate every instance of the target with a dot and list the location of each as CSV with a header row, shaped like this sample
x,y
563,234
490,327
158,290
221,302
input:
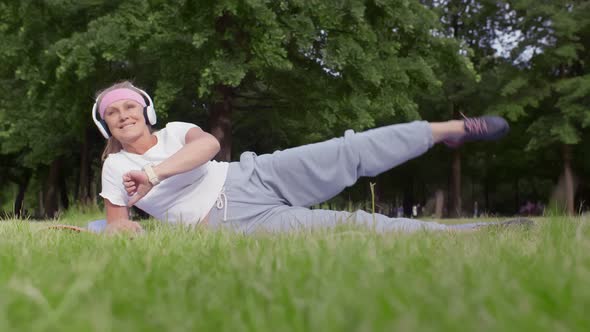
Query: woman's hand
x,y
137,185
123,226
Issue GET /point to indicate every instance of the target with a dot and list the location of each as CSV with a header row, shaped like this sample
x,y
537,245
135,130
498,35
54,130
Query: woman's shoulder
x,y
112,162
177,130
178,125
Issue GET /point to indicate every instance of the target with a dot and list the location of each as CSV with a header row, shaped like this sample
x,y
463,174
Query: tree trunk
x,y
220,122
517,194
455,199
439,198
41,209
20,196
220,117
63,191
50,200
94,188
569,179
486,193
83,188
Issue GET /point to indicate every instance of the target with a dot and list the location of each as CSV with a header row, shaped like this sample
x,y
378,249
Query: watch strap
x,y
152,177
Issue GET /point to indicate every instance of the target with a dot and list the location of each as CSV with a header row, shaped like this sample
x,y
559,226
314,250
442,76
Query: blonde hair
x,y
113,144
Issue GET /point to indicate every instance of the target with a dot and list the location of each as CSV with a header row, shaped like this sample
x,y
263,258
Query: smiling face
x,y
126,121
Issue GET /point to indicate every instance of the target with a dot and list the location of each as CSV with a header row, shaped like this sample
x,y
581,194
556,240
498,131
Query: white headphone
x,y
148,112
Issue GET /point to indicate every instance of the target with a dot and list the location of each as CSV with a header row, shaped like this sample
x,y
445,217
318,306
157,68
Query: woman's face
x,y
125,120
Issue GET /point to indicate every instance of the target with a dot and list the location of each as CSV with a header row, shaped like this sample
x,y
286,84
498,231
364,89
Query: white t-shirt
x,y
185,197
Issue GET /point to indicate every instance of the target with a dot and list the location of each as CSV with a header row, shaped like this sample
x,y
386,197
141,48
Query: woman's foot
x,y
483,128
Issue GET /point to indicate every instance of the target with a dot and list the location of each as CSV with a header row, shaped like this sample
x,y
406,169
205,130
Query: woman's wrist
x,y
118,221
159,173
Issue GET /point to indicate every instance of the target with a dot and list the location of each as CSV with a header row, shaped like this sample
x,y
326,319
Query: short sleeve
x,y
178,130
112,184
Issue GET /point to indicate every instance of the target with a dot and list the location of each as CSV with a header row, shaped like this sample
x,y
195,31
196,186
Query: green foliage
x,y
553,87
297,71
351,63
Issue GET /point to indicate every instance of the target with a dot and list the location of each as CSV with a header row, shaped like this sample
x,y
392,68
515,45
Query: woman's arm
x,y
118,218
200,147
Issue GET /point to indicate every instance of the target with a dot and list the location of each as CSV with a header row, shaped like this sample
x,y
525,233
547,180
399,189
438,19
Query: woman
x,y
169,174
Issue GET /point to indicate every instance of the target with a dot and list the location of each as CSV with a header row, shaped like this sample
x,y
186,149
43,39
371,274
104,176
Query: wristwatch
x,y
152,177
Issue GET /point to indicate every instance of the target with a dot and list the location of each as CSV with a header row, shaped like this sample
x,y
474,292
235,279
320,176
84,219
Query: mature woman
x,y
170,175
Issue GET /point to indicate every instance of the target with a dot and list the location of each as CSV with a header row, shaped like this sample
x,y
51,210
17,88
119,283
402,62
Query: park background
x,y
268,75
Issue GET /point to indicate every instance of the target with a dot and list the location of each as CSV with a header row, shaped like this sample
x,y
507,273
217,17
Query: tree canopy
x,y
266,75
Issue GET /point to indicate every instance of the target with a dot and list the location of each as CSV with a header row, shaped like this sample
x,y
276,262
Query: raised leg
x,y
314,173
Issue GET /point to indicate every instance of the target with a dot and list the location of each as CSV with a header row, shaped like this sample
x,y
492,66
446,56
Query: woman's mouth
x,y
127,125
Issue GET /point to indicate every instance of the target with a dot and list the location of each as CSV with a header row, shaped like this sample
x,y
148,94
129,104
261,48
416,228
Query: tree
x,y
553,84
476,24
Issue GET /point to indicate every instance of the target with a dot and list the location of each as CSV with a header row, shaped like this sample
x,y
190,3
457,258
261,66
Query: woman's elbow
x,y
215,146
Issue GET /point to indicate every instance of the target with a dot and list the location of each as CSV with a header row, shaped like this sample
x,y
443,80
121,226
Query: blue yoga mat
x,y
97,226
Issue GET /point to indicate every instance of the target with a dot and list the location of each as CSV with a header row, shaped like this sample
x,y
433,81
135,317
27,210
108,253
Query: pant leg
x,y
284,219
311,174
314,173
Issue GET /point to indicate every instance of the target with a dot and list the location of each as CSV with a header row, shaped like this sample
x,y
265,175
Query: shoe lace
x,y
475,125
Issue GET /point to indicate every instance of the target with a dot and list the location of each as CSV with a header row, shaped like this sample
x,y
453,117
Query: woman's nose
x,y
123,115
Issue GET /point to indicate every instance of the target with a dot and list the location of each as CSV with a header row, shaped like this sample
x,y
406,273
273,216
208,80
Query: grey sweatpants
x,y
273,192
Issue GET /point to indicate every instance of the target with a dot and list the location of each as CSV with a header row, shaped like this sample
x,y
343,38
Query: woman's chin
x,y
127,137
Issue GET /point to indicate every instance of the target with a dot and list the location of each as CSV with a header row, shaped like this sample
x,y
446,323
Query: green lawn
x,y
345,280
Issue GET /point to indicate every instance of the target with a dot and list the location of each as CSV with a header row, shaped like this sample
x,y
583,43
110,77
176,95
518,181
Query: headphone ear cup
x,y
100,123
145,115
106,129
151,115
149,111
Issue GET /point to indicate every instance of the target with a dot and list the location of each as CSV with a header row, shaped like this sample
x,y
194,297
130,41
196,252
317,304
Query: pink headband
x,y
116,95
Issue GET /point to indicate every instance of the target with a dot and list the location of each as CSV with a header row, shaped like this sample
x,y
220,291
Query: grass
x,y
344,280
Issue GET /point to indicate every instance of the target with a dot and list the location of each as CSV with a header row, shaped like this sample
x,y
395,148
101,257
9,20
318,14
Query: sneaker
x,y
483,128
